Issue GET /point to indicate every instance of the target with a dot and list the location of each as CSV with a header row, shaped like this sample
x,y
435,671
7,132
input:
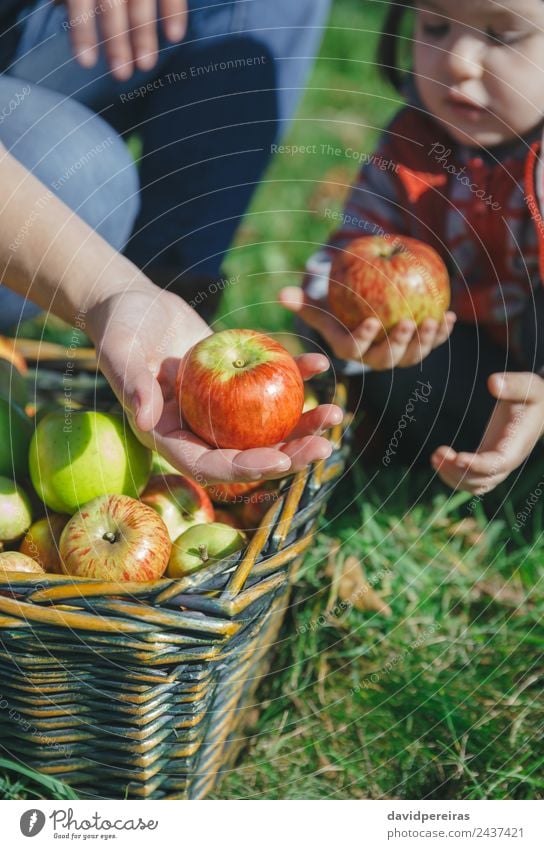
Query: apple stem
x,y
110,536
239,363
203,551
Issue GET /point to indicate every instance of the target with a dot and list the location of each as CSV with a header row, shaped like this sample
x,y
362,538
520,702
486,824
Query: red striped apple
x,y
240,389
389,278
179,501
14,561
115,538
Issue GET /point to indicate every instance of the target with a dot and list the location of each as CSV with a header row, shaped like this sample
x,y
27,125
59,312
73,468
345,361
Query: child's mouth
x,y
466,108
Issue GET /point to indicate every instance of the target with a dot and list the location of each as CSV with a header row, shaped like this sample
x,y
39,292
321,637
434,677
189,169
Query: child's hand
x,y
140,336
405,345
516,425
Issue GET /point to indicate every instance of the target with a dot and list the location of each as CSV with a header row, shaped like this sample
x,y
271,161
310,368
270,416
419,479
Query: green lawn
x,y
436,691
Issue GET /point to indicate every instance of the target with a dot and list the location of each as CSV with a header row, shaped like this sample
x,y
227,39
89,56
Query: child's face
x,y
479,67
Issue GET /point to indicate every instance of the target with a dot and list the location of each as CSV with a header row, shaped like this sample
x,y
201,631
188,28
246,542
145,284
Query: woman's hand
x,y
128,31
515,426
405,345
140,336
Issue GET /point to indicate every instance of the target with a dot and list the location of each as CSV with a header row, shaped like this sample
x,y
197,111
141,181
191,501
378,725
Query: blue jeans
x,y
207,116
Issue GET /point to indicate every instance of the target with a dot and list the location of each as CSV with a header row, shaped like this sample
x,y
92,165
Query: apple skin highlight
x,y
240,389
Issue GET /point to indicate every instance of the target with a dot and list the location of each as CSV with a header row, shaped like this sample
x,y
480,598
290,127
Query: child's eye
x,y
436,30
503,37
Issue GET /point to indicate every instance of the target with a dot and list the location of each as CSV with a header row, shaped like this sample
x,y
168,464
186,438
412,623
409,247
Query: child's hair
x,y
388,48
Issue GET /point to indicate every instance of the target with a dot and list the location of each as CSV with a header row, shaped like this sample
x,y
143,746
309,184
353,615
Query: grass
x,y
435,690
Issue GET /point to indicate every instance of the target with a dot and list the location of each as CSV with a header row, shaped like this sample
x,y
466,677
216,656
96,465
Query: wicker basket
x,y
137,690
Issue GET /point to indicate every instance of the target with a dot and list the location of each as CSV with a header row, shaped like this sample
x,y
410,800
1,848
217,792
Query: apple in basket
x,y
179,501
231,493
15,511
76,456
14,561
42,541
15,435
255,506
203,545
389,278
115,538
240,389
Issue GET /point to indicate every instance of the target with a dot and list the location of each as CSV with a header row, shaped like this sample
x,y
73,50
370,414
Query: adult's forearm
x,y
49,254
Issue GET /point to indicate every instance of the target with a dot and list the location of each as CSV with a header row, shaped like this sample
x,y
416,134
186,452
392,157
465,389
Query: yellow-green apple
x,y
161,466
42,541
77,456
15,435
15,511
231,493
14,561
389,278
12,384
203,545
179,501
115,538
239,389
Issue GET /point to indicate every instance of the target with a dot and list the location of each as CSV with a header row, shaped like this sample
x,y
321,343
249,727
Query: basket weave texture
x,y
138,690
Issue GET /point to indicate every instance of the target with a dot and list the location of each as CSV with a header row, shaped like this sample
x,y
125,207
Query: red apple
x,y
225,517
231,493
203,545
42,541
254,507
389,278
179,501
115,538
14,561
240,389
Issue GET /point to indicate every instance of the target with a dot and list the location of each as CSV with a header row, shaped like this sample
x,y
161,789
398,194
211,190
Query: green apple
x,y
203,545
15,436
15,511
161,466
76,456
12,384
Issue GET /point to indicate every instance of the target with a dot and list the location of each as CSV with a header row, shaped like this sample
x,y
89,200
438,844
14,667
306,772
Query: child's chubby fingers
x,y
517,387
387,354
429,335
421,344
345,344
477,473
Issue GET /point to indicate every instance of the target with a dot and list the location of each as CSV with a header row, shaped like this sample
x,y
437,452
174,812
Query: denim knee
x,y
75,153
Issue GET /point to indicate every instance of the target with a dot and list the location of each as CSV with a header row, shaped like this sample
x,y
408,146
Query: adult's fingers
x,y
175,17
82,28
142,15
317,420
114,25
312,364
138,390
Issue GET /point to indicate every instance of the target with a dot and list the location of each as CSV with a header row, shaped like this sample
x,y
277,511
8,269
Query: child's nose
x,y
464,58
